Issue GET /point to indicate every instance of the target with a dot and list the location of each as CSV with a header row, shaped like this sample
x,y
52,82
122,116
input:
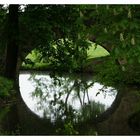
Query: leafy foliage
x,y
59,39
68,129
60,32
5,86
117,28
112,75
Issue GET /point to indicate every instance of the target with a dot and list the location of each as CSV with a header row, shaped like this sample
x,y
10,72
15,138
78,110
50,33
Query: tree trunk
x,y
12,43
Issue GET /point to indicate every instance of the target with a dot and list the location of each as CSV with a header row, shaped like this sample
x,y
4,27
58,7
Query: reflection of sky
x,y
27,87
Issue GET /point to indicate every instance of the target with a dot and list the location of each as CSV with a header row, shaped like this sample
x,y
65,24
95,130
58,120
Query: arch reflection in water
x,y
65,96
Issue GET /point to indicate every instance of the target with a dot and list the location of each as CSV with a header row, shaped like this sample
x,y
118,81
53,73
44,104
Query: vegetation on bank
x,y
111,74
32,60
5,86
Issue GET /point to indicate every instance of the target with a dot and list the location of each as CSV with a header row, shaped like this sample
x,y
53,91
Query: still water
x,y
53,97
70,104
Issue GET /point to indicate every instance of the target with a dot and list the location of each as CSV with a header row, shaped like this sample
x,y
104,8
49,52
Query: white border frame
x,y
69,1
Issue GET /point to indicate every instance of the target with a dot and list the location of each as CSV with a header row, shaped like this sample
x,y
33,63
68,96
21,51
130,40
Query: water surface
x,y
51,97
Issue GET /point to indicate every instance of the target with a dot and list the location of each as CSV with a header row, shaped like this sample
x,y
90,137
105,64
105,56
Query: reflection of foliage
x,y
106,91
91,111
56,97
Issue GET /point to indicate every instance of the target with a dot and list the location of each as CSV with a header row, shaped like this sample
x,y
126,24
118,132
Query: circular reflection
x,y
61,96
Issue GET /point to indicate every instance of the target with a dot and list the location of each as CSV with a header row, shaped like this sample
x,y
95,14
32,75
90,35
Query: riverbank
x,y
88,67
